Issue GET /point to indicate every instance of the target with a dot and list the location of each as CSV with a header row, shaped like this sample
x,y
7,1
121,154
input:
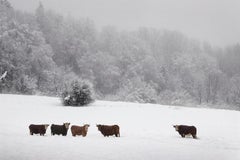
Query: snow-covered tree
x,y
136,90
235,90
25,55
79,94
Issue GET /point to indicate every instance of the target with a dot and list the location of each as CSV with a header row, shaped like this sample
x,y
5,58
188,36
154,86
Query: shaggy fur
x,y
38,129
109,130
80,130
60,129
186,130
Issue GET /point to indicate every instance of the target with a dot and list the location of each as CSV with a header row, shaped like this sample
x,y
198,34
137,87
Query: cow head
x,y
46,126
176,127
86,127
66,125
98,126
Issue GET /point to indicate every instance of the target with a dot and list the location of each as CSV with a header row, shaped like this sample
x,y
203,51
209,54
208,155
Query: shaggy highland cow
x,y
38,129
109,130
80,130
60,129
186,130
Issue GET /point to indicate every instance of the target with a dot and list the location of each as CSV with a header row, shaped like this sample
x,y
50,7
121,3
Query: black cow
x,y
186,130
60,129
109,130
38,129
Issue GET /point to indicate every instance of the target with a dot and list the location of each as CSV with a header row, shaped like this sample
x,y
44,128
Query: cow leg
x,y
194,136
183,135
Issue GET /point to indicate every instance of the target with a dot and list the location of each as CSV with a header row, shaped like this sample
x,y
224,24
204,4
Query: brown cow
x,y
80,130
38,129
186,130
109,130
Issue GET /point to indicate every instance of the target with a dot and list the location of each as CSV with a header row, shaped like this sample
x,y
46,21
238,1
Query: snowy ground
x,y
146,131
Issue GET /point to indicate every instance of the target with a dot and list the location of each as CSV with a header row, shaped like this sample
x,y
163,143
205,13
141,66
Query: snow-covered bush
x,y
79,94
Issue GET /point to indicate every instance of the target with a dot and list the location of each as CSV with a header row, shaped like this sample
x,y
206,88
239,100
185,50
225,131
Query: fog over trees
x,y
44,51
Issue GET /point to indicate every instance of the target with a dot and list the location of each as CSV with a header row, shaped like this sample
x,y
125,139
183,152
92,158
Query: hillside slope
x,y
146,131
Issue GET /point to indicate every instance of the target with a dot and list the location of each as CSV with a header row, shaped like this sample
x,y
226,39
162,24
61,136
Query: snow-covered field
x,y
146,131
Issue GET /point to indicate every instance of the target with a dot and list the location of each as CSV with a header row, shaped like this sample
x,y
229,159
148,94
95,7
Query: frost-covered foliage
x,y
137,90
25,55
80,93
43,51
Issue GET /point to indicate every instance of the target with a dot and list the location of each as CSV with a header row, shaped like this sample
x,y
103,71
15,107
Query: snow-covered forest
x,y
44,51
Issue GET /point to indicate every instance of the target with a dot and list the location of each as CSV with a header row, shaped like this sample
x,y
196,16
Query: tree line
x,y
43,52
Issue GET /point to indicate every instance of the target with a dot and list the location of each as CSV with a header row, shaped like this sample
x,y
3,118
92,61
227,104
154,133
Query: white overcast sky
x,y
214,21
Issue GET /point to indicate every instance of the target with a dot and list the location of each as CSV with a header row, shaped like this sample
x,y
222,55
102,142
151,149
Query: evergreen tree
x,y
79,94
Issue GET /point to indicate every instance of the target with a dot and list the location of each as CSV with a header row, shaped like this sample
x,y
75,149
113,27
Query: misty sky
x,y
215,21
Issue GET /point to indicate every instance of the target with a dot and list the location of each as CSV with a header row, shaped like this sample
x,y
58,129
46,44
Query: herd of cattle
x,y
106,130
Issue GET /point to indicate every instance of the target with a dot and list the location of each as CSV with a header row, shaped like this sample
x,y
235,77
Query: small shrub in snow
x,y
79,94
